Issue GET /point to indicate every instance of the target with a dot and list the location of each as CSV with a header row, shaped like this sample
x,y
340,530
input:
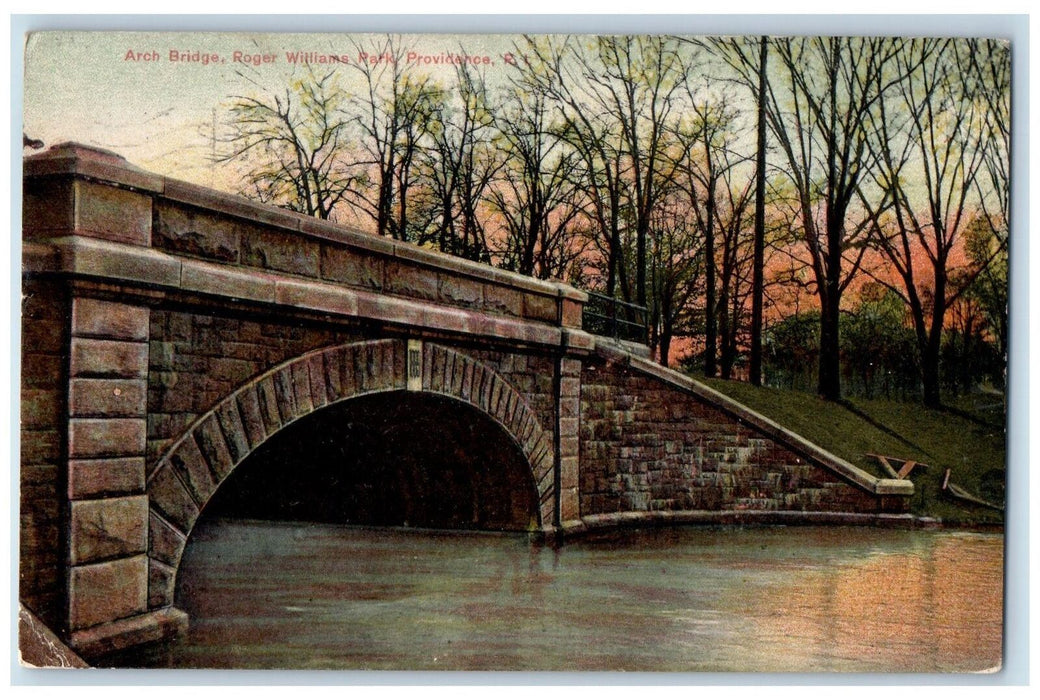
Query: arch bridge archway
x,y
185,479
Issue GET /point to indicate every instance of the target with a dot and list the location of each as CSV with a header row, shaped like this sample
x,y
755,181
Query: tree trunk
x,y
930,374
724,330
641,263
758,282
829,386
711,340
710,319
931,351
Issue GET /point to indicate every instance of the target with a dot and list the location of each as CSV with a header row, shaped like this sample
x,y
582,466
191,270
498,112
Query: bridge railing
x,y
614,318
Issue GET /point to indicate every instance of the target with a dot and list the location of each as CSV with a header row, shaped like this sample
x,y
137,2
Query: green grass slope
x,y
967,438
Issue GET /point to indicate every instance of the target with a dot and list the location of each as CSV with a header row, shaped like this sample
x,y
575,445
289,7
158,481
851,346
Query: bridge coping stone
x,y
125,264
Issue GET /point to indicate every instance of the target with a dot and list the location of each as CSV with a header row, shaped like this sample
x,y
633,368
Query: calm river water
x,y
301,596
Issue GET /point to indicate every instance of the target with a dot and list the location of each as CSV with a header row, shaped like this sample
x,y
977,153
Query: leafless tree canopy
x,y
628,164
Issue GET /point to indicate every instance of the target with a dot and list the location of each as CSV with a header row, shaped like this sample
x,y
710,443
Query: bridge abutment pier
x,y
109,573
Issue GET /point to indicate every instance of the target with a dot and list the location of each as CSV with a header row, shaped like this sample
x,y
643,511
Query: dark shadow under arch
x,y
389,459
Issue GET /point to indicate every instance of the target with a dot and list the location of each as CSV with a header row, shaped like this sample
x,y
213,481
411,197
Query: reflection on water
x,y
285,595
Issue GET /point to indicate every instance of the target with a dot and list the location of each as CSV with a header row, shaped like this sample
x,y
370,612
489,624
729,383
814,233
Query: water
x,y
298,596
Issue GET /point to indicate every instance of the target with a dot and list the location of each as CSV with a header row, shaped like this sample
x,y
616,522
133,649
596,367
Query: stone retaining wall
x,y
646,446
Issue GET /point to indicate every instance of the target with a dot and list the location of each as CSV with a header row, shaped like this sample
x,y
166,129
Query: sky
x,y
122,92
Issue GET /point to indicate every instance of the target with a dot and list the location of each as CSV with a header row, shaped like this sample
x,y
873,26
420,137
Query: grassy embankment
x,y
967,437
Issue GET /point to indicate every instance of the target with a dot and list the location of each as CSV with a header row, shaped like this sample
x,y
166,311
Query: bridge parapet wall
x,y
94,208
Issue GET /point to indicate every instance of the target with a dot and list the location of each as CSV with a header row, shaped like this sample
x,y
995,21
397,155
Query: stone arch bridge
x,y
171,333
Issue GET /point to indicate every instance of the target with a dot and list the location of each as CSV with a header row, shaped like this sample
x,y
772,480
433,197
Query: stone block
x,y
48,207
364,367
487,388
43,333
570,387
210,438
107,591
466,388
91,478
391,366
107,528
113,214
570,368
569,472
410,281
106,437
452,320
390,310
171,499
41,408
93,318
191,466
41,371
282,251
164,542
348,370
461,291
97,164
541,308
134,631
570,313
267,398
503,300
108,358
318,297
535,333
234,431
222,281
104,259
286,395
339,235
252,420
317,380
40,446
570,508
354,267
569,427
108,398
192,232
161,582
238,209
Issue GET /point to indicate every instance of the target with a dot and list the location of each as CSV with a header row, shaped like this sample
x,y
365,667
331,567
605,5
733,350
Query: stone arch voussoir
x,y
184,478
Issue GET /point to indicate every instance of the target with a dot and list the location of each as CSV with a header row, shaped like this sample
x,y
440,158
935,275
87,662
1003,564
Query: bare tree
x,y
535,196
931,154
459,165
819,96
677,263
294,144
705,138
616,94
394,111
758,262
